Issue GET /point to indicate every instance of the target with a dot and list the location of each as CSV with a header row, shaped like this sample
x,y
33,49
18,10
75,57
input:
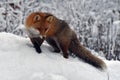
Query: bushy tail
x,y
85,55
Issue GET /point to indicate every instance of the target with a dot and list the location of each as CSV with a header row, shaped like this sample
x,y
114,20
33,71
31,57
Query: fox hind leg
x,y
64,45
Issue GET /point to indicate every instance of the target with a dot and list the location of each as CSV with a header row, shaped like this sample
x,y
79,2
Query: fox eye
x,y
50,19
37,18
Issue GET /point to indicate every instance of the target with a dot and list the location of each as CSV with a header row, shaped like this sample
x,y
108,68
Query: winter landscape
x,y
19,61
96,22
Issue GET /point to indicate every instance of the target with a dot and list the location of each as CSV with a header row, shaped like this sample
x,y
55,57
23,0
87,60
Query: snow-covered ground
x,y
19,61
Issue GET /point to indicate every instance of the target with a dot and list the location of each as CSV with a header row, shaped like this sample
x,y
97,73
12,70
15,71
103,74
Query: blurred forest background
x,y
96,22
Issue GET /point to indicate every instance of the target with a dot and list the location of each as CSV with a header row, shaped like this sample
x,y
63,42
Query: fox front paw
x,y
38,51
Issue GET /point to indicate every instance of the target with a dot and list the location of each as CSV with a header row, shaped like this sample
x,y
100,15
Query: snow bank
x,y
19,61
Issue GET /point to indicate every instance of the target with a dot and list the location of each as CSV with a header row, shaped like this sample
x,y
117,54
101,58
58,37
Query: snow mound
x,y
19,61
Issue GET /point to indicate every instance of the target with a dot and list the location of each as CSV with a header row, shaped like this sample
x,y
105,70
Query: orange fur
x,y
42,24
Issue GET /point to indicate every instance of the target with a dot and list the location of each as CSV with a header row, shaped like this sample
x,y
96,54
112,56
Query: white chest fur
x,y
32,32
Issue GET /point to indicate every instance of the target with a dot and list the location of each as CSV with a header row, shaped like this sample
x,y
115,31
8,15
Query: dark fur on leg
x,y
53,43
37,43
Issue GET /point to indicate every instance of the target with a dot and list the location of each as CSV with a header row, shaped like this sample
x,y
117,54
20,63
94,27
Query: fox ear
x,y
50,19
37,18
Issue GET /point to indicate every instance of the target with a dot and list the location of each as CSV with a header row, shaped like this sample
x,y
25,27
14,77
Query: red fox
x,y
60,36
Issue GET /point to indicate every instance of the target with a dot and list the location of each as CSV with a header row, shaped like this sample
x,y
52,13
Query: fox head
x,y
38,23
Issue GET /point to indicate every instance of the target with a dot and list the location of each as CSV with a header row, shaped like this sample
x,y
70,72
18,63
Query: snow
x,y
19,61
94,21
10,1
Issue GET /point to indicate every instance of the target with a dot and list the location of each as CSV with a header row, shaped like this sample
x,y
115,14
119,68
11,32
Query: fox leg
x,y
37,43
53,43
64,45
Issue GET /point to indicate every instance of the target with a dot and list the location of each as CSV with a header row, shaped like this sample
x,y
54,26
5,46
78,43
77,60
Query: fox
x,y
58,34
